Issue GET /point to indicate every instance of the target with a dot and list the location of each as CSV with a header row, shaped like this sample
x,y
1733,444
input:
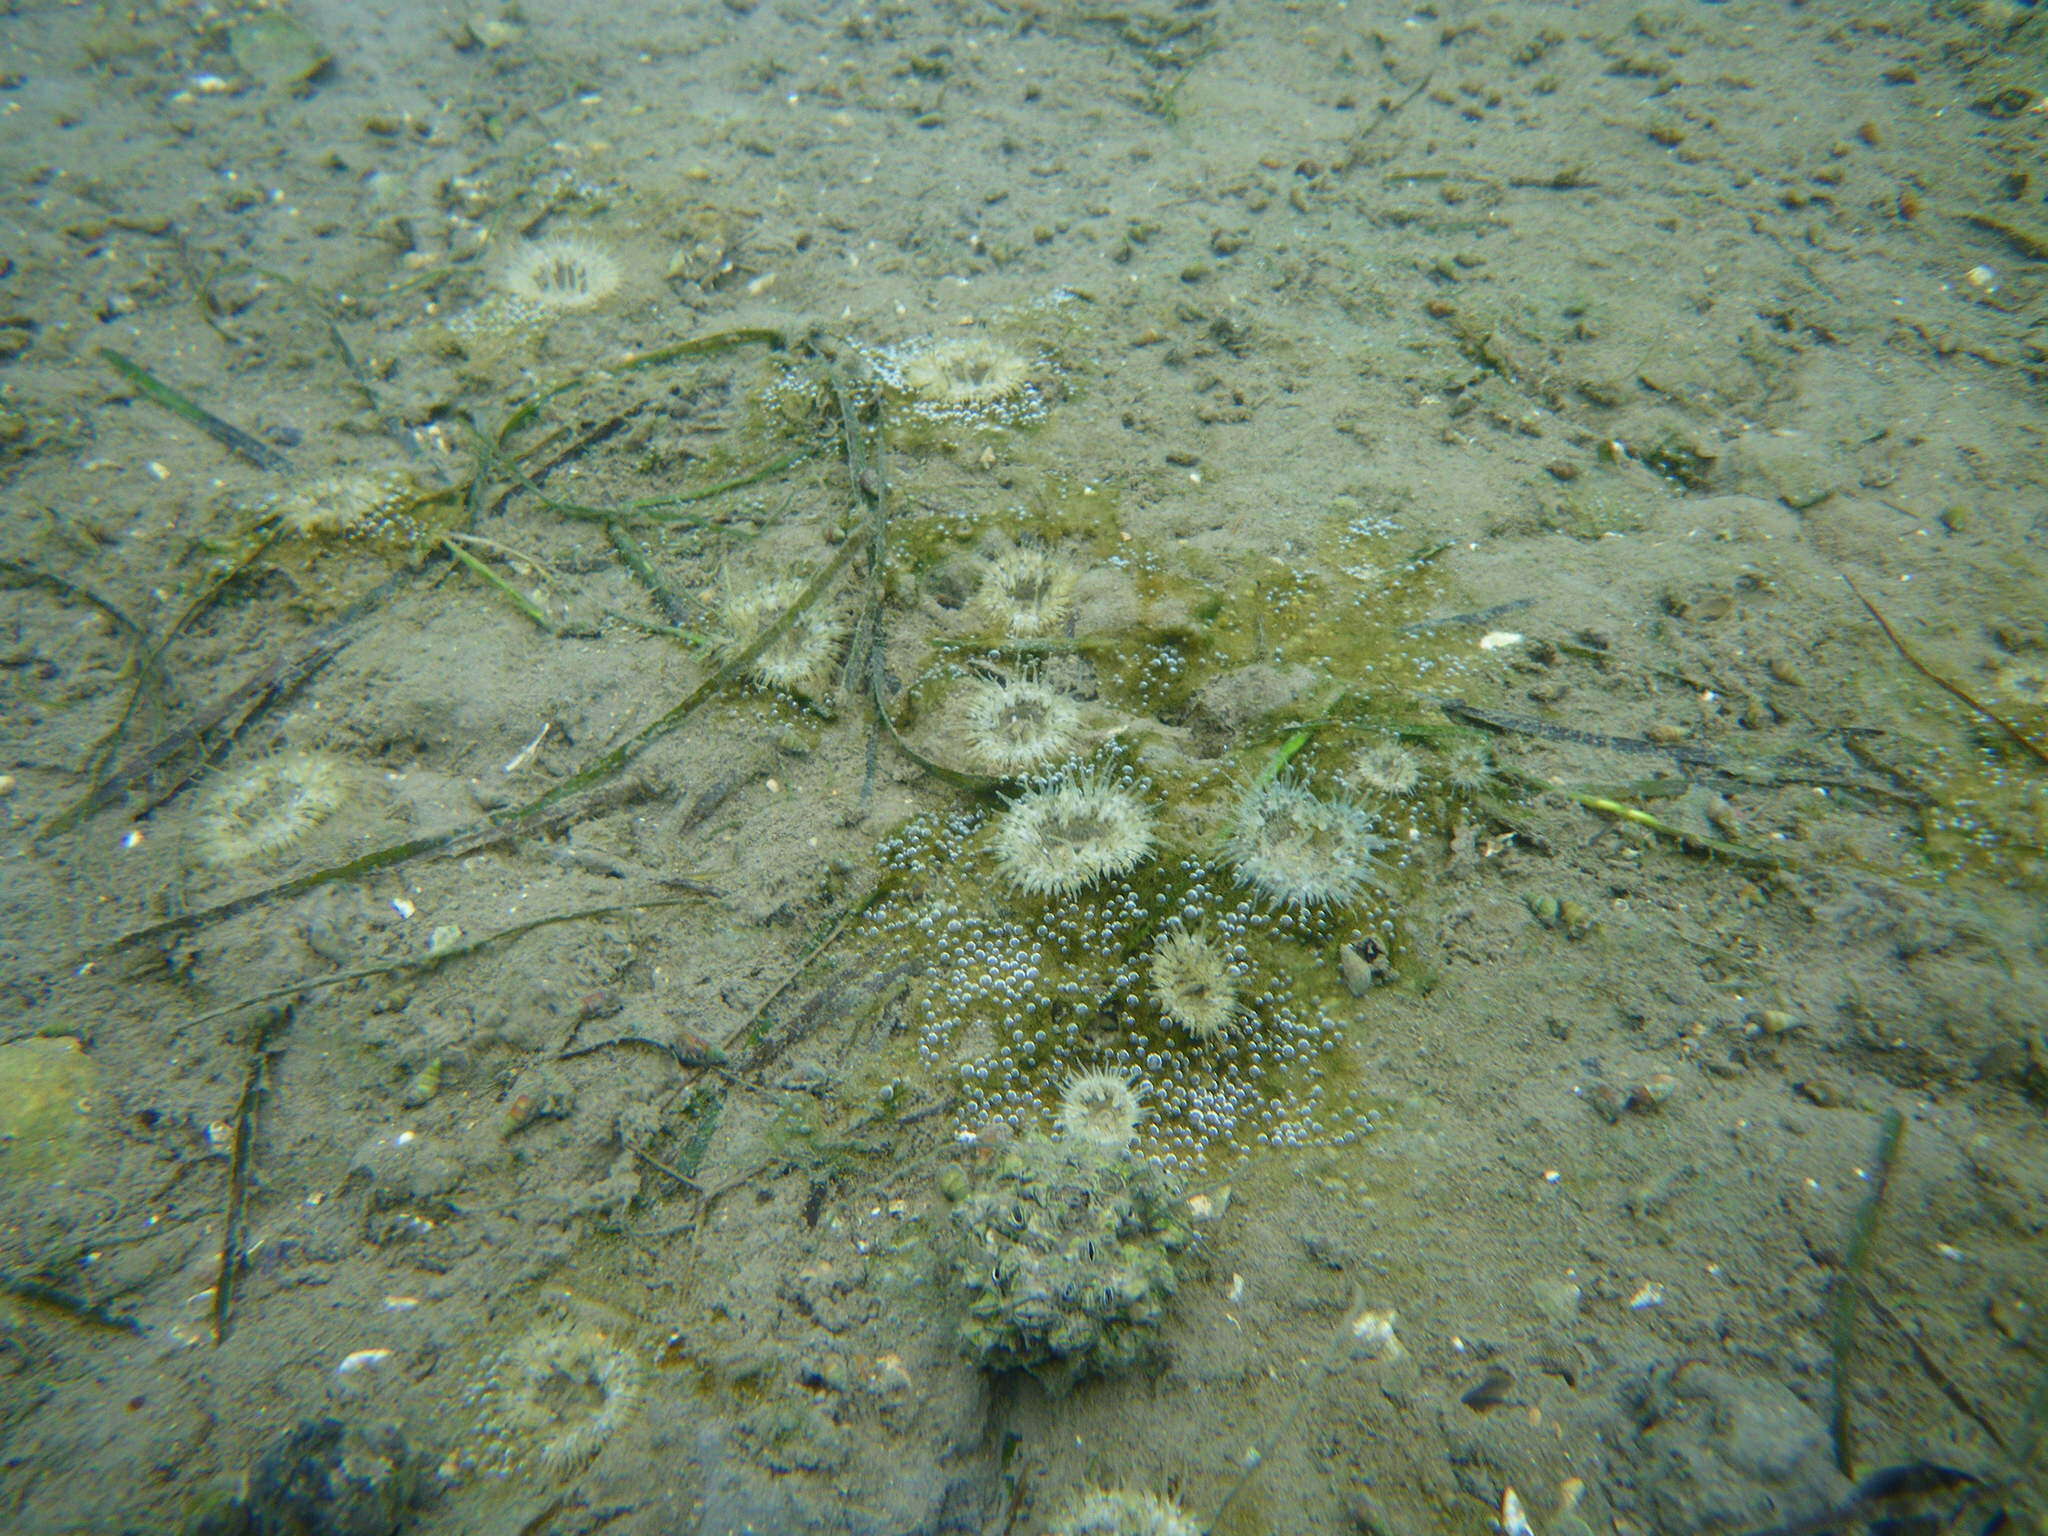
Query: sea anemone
x,y
976,379
2024,682
268,807
1026,591
1101,1109
1468,767
1388,767
799,660
346,506
1015,726
1194,983
1062,836
553,1399
1122,1512
1298,850
560,273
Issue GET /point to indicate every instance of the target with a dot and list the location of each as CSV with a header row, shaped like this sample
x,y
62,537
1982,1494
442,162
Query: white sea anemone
x,y
1194,983
1027,590
1388,767
799,660
266,808
1101,1109
1468,767
1122,1512
553,1399
1061,837
561,272
976,380
1299,850
1015,726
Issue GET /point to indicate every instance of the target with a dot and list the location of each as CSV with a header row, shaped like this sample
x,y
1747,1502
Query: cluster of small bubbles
x,y
1990,816
1373,525
500,321
1159,680
1023,997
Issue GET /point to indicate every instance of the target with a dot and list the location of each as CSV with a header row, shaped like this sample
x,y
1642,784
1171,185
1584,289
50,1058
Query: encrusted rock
x,y
1066,1258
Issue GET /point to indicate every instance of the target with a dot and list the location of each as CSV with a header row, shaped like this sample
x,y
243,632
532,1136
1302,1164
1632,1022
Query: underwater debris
x,y
324,1478
48,1090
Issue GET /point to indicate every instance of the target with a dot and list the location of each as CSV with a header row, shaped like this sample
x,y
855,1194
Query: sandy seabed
x,y
1539,383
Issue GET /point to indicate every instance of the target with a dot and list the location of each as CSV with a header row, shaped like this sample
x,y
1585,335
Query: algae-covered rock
x,y
276,49
325,1478
45,1086
1066,1259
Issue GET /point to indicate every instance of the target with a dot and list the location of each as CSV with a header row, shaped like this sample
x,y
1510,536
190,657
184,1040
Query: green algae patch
x,y
45,1092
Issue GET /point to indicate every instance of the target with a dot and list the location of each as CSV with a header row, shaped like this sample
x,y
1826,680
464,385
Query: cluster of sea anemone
x,y
1112,996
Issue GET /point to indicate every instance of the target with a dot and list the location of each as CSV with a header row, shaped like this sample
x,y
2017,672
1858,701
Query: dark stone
x,y
327,1478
